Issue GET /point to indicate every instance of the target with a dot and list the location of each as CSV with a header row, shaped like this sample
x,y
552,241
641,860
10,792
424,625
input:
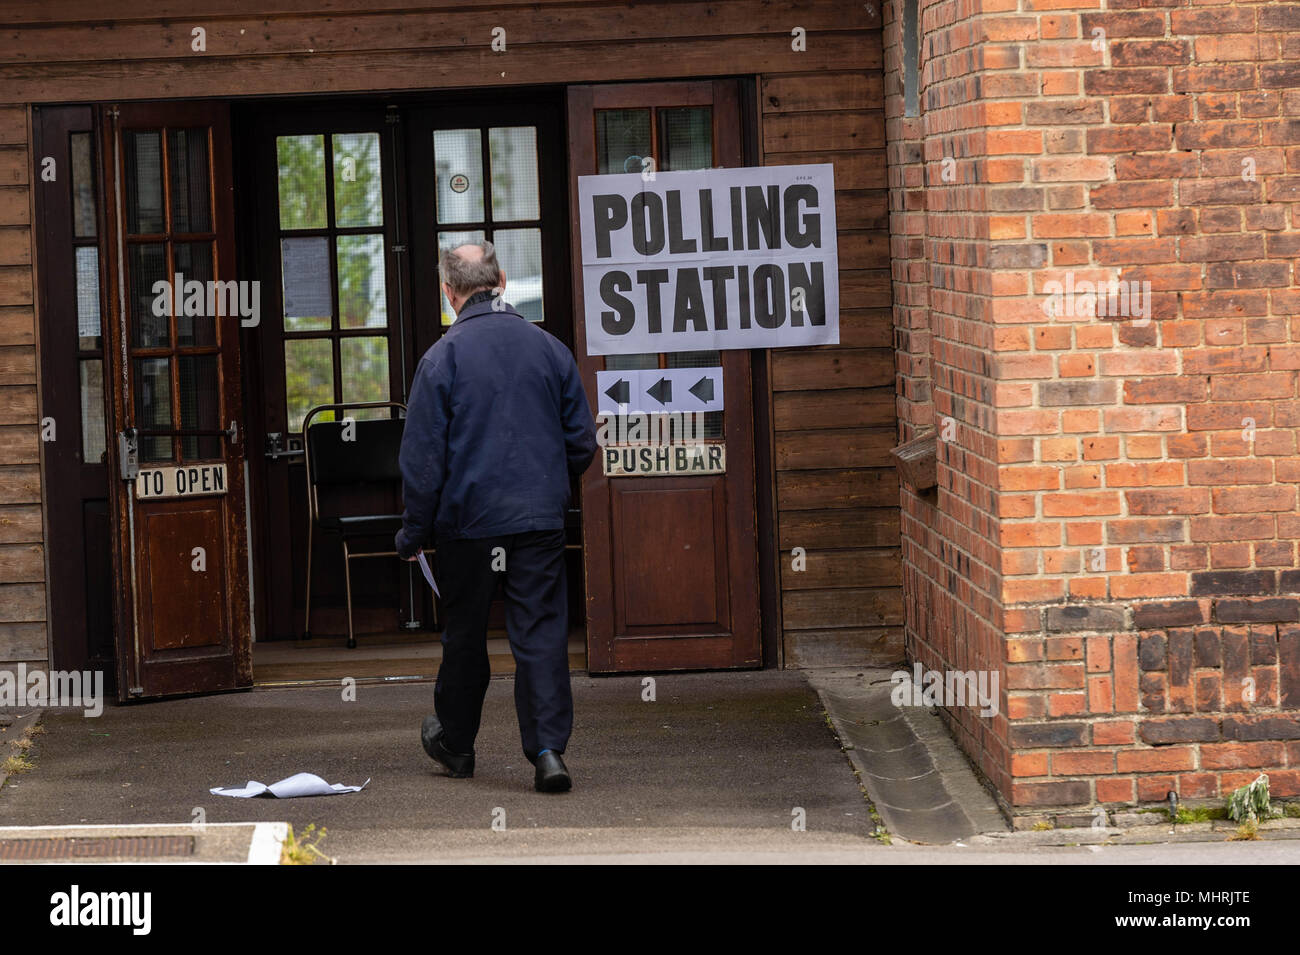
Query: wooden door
x,y
671,562
182,595
69,221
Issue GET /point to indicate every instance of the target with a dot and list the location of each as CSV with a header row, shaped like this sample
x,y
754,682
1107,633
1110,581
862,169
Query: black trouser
x,y
531,566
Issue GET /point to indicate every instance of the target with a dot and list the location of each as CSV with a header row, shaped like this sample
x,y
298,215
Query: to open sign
x,y
192,480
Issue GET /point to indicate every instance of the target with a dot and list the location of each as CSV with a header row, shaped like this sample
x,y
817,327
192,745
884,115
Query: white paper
x,y
660,390
299,784
428,574
672,262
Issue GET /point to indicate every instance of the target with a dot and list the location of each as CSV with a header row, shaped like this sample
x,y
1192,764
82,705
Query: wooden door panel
x,y
670,557
187,606
69,226
671,562
176,381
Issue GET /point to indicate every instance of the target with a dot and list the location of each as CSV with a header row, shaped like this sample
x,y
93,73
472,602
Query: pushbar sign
x,y
709,259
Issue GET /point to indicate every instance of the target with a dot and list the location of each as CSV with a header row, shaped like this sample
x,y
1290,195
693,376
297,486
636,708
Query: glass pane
x,y
450,240
88,328
83,185
305,278
358,190
458,171
308,377
197,323
200,399
625,362
364,374
301,164
520,253
515,193
147,263
363,301
92,411
686,138
153,406
144,193
191,195
699,359
622,139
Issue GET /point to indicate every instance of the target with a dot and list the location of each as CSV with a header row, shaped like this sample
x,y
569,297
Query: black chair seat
x,y
363,524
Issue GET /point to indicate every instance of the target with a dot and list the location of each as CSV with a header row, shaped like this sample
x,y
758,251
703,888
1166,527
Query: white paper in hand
x,y
428,574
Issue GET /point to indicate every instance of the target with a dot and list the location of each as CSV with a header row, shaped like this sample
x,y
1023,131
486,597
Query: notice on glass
x,y
305,265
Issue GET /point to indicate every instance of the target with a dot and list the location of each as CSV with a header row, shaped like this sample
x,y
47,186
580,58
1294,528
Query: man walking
x,y
496,424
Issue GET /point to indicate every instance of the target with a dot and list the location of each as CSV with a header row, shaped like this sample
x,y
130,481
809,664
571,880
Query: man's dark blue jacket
x,y
496,423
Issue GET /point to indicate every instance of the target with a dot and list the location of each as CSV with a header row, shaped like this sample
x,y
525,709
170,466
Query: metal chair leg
x,y
347,576
306,624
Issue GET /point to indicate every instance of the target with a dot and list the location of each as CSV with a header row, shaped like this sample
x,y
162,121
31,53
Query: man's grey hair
x,y
466,277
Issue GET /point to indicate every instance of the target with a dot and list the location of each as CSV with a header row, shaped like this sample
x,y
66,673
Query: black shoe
x,y
551,776
458,765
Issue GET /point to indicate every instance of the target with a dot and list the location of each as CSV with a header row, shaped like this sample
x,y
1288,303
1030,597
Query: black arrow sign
x,y
620,391
661,391
703,389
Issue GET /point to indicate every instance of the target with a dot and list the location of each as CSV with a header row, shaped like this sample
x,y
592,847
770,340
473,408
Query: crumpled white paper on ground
x,y
299,784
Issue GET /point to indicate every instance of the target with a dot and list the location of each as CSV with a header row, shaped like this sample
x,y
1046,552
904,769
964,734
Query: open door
x,y
671,561
176,443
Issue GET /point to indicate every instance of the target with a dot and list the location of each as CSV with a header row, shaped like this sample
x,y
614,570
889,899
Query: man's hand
x,y
415,556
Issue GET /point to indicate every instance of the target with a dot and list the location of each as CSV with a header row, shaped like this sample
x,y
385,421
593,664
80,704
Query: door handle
x,y
275,450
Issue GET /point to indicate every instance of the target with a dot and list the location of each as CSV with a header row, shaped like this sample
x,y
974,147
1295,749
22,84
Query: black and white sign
x,y
709,259
663,460
659,390
194,480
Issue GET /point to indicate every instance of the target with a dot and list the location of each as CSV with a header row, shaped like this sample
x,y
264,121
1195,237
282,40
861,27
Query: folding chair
x,y
341,457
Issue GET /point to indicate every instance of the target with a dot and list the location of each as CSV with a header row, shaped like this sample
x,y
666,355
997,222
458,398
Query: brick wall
x,y
1137,471
943,336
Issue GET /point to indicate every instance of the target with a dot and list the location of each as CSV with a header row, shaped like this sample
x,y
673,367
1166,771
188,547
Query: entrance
x,y
182,497
347,208
672,562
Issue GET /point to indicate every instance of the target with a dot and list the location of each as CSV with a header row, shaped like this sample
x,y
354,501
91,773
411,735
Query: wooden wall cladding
x,y
833,406
68,53
22,560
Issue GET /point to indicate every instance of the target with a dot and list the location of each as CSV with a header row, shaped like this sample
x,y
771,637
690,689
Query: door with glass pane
x,y
78,541
672,562
330,254
496,173
174,363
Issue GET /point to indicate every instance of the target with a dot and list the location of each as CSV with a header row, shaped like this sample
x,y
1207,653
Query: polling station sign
x,y
709,259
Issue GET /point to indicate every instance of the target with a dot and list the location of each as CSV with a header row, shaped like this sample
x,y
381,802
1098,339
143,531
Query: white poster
x,y
659,391
709,259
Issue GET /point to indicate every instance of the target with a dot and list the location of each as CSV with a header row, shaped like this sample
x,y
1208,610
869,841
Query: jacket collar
x,y
474,309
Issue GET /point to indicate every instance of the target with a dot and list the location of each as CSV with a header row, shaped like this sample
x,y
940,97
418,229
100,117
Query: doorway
x,y
344,208
183,483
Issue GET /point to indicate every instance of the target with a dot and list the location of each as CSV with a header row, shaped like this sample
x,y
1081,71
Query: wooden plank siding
x,y
834,413
832,407
22,558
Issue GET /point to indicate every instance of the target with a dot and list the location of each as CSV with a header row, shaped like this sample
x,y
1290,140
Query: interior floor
x,y
405,656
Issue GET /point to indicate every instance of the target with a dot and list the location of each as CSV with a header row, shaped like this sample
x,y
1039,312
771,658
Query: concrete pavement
x,y
737,755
